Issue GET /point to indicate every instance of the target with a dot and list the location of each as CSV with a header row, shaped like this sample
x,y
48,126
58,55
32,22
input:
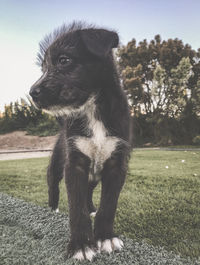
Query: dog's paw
x,y
81,249
110,245
86,254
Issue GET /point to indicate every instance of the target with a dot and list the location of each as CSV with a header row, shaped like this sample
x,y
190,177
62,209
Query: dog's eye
x,y
64,60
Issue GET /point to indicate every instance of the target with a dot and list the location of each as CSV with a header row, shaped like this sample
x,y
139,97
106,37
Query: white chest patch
x,y
99,147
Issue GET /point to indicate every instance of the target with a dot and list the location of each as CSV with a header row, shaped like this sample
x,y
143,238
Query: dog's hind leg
x,y
91,187
55,173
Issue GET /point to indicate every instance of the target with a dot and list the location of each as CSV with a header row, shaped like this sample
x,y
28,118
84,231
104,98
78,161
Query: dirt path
x,y
19,140
19,145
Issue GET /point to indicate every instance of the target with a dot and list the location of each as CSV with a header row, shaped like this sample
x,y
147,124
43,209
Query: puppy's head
x,y
73,60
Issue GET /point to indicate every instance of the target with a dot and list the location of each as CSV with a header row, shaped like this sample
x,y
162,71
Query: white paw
x,y
57,210
117,243
93,214
110,245
88,254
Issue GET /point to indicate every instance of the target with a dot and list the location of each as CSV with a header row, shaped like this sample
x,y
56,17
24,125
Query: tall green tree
x,y
162,81
170,93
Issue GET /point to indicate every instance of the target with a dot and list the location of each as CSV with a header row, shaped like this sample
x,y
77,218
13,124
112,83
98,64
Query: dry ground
x,y
19,140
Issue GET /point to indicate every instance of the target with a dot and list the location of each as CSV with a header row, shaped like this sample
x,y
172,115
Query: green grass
x,y
159,202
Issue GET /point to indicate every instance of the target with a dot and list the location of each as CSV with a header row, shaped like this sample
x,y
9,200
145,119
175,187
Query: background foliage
x,y
24,116
162,82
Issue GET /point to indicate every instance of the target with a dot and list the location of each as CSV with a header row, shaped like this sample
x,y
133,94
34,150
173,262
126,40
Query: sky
x,y
24,23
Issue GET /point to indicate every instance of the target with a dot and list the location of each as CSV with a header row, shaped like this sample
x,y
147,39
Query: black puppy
x,y
80,86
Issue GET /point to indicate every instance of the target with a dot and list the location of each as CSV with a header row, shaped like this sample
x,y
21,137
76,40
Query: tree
x,y
170,92
162,81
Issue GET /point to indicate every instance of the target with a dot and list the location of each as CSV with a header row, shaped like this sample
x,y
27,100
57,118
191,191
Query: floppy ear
x,y
99,41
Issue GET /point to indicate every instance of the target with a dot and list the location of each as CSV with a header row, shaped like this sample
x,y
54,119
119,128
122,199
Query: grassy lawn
x,y
160,202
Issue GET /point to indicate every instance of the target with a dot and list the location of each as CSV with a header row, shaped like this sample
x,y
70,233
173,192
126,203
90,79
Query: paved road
x,y
23,154
166,149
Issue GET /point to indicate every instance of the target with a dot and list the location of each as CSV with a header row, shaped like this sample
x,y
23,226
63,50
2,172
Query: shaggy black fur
x,y
80,85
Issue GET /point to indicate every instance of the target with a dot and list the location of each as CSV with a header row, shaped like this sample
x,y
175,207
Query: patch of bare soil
x,y
19,140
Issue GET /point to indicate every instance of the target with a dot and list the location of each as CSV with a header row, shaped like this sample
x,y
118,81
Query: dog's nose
x,y
34,92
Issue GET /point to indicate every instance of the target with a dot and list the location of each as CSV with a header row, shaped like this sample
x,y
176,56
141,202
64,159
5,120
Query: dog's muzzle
x,y
35,90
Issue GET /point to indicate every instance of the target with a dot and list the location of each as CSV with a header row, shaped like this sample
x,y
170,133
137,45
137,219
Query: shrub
x,y
43,128
196,140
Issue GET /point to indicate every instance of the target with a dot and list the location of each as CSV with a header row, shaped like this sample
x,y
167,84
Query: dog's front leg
x,y
113,176
81,245
55,173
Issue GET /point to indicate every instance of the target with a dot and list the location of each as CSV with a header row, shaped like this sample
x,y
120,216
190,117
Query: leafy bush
x,y
24,116
43,128
196,140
